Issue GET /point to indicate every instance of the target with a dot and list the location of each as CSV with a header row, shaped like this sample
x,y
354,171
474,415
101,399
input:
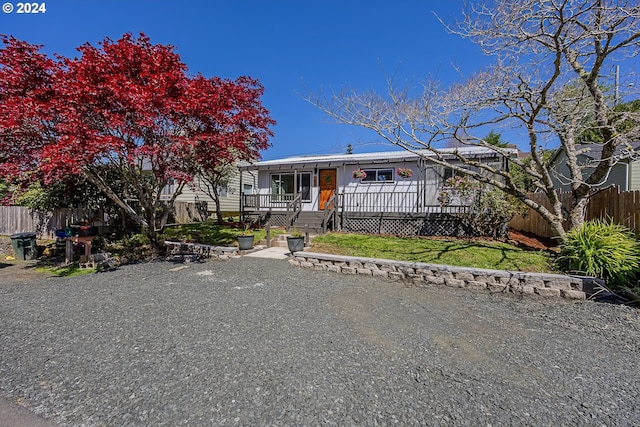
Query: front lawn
x,y
458,252
210,233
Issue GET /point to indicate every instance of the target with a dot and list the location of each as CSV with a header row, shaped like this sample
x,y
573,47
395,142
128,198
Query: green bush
x,y
490,209
602,249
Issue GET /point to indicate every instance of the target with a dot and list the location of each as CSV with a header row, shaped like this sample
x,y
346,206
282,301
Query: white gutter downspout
x,y
626,176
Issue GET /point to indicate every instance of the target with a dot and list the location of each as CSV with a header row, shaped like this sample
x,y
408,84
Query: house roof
x,y
369,158
594,151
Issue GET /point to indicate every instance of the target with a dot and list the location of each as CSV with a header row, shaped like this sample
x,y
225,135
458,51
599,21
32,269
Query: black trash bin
x,y
24,246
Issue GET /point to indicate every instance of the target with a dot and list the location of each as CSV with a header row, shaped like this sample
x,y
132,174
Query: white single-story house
x,y
624,174
326,189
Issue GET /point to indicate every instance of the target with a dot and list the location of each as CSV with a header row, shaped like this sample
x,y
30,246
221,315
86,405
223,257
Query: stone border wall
x,y
422,274
191,252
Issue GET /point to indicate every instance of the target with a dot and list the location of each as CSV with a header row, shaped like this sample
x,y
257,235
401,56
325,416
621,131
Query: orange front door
x,y
327,179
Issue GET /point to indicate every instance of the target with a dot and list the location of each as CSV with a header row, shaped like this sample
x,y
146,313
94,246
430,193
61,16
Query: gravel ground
x,y
259,342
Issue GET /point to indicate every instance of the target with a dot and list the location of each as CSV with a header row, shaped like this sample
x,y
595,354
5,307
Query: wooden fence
x,y
18,219
623,207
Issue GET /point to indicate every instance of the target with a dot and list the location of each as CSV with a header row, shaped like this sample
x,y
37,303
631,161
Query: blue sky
x,y
287,45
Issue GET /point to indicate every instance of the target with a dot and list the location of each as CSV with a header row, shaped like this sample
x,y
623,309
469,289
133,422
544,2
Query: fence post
x,y
268,238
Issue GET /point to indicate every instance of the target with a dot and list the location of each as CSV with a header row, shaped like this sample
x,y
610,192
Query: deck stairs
x,y
311,222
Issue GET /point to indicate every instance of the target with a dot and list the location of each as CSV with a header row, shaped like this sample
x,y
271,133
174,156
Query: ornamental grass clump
x,y
602,249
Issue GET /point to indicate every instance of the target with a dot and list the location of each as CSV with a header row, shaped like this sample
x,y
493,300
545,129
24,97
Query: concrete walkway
x,y
274,252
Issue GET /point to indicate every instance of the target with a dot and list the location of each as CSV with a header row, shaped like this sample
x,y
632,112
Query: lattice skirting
x,y
276,220
428,224
433,224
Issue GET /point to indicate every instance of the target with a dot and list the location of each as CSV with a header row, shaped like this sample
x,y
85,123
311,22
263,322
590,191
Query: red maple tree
x,y
129,105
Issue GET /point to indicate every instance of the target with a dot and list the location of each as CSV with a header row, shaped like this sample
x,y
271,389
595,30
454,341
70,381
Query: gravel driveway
x,y
259,342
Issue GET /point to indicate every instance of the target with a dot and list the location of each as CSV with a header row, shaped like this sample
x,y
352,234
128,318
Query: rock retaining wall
x,y
180,251
422,274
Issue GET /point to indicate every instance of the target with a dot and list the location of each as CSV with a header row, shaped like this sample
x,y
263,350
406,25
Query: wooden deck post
x,y
268,238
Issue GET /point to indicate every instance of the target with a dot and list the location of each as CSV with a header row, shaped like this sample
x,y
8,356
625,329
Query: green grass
x,y
65,271
210,233
463,253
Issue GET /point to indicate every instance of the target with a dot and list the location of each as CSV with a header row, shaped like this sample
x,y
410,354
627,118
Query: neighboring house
x,y
625,173
328,191
195,191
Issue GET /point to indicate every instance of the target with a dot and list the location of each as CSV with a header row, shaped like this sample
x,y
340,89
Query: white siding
x,y
229,200
403,190
397,195
634,176
432,185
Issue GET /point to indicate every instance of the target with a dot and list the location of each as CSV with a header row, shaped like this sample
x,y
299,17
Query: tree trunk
x,y
216,200
578,211
102,186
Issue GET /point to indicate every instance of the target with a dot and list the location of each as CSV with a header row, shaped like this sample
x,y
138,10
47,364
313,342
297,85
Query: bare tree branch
x,y
548,79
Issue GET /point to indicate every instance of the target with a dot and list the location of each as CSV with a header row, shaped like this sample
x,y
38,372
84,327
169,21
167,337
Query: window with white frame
x,y
448,173
377,175
284,183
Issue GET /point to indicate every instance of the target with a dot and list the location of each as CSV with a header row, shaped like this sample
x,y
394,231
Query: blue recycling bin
x,y
24,246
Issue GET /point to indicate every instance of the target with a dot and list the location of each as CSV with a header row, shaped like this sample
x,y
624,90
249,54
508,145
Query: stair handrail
x,y
329,212
293,210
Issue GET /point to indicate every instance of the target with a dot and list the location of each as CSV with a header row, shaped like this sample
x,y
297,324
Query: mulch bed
x,y
531,241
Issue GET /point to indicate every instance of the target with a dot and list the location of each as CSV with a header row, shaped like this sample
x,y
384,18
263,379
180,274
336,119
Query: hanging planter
x,y
359,174
404,172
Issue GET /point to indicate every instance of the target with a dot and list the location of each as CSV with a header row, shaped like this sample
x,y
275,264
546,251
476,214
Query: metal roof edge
x,y
371,158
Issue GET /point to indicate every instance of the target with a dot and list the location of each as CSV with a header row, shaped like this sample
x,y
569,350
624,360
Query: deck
x,y
381,212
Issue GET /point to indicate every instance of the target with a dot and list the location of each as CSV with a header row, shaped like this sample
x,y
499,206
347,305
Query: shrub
x,y
490,210
602,249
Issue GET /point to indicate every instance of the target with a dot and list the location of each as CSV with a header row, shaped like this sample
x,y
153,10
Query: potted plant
x,y
404,172
359,174
245,239
295,241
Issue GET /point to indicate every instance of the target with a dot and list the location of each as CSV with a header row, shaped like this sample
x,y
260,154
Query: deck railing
x,y
393,202
329,213
294,207
390,202
266,201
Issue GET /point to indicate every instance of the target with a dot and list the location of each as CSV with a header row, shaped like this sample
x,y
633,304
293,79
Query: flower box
x,y
404,172
359,174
